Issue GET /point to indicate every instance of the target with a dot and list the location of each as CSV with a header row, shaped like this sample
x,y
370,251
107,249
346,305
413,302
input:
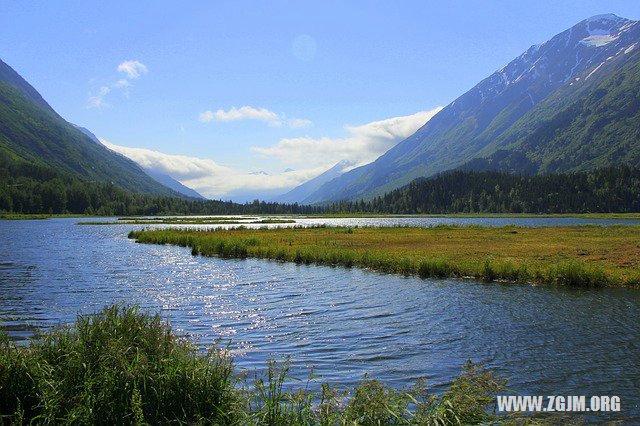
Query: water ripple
x,y
344,322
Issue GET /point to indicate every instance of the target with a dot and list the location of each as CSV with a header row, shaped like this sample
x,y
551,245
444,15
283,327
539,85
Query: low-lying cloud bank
x,y
365,143
310,156
210,178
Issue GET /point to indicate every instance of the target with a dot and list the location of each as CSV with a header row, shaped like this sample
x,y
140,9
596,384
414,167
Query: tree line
x,y
27,187
605,190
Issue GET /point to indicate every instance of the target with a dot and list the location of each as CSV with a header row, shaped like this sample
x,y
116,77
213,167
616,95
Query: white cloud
x,y
296,123
249,113
242,113
122,83
310,157
210,178
96,102
206,116
364,144
133,69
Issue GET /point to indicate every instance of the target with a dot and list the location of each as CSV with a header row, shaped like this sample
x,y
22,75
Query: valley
x,y
375,223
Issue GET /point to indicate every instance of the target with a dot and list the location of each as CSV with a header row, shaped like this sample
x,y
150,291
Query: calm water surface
x,y
343,322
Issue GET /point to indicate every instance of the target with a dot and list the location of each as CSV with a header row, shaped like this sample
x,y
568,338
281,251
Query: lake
x,y
343,322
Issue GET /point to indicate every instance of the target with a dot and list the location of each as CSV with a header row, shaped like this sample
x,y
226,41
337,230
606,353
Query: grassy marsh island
x,y
485,215
186,218
21,216
581,256
188,221
124,366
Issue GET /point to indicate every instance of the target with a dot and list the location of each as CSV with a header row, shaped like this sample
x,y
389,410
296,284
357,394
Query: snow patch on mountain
x,y
593,72
598,40
627,26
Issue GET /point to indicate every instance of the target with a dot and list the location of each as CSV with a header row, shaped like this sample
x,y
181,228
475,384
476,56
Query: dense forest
x,y
605,190
27,187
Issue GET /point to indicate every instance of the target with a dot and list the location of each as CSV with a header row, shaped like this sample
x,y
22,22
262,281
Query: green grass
x,y
20,216
118,366
17,216
610,216
203,220
186,218
185,221
124,366
275,221
158,222
580,256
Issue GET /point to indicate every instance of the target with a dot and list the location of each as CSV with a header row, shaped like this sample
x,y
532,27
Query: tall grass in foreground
x,y
119,365
123,366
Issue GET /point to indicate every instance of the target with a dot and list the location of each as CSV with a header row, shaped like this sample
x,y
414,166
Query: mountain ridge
x,y
478,123
301,192
32,131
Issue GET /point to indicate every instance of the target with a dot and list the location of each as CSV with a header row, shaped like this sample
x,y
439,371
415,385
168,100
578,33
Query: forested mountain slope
x,y
568,83
30,130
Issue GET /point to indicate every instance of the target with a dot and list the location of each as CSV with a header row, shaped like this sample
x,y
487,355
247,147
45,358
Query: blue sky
x,y
317,79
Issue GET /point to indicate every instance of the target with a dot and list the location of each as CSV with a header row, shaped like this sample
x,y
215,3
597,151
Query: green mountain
x,y
13,79
568,104
31,131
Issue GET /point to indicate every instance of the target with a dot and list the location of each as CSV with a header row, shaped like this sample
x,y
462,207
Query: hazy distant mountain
x,y
300,193
171,183
570,103
250,195
30,130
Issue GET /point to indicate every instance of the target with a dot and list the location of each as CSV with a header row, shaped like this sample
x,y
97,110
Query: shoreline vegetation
x,y
125,366
576,256
609,216
35,187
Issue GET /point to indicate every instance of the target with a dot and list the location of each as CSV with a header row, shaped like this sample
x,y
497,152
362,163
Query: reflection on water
x,y
344,322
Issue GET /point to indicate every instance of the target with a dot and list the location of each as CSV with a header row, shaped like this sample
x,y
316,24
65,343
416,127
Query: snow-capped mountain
x,y
301,192
562,58
503,107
